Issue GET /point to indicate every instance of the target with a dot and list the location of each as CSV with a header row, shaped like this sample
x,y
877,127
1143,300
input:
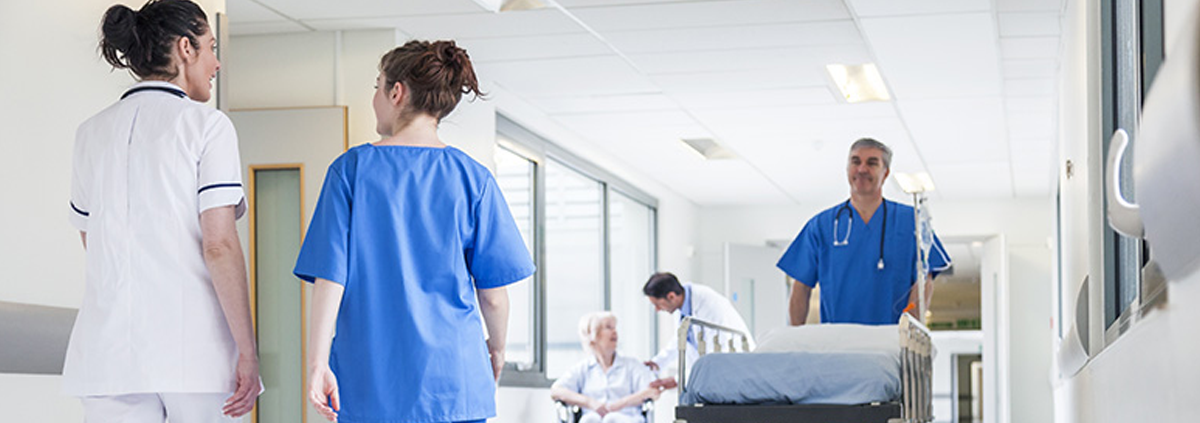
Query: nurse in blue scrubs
x,y
861,251
410,246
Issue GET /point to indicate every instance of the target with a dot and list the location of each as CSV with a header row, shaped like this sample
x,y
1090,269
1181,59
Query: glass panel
x,y
515,175
1128,106
278,307
631,253
574,262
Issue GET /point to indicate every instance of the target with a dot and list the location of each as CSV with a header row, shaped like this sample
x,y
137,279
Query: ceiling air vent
x,y
709,149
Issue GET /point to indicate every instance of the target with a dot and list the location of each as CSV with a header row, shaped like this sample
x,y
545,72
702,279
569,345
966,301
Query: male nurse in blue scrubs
x,y
862,251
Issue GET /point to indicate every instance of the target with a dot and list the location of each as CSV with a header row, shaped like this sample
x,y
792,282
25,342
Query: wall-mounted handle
x,y
1123,216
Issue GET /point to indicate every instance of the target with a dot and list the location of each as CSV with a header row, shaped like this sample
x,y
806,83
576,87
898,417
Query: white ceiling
x,y
973,83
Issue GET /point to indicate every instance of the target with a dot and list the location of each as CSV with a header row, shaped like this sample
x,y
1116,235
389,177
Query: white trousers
x,y
592,417
156,408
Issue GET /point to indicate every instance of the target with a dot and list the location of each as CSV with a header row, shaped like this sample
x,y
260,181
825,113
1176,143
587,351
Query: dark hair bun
x,y
119,33
141,40
438,74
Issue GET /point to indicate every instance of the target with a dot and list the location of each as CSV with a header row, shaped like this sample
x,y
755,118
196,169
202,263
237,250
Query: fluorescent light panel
x,y
913,183
497,6
859,83
708,148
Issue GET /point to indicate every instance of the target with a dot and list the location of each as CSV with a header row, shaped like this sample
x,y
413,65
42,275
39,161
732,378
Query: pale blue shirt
x,y
626,376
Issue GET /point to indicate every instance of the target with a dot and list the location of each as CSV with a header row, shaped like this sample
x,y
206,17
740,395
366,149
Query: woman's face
x,y
202,69
605,339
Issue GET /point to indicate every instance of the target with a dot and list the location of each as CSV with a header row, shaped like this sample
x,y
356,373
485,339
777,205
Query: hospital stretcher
x,y
914,404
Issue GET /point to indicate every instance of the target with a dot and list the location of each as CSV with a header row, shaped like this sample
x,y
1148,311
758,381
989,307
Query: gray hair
x,y
589,325
873,143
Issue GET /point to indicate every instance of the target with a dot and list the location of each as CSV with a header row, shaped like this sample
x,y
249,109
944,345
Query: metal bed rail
x,y
702,343
916,371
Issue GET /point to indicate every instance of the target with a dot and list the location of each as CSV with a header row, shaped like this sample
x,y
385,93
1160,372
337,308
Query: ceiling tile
x,y
1029,5
1029,24
709,13
1040,87
1029,48
957,130
472,25
831,33
936,56
316,9
750,99
877,8
751,59
533,48
1031,68
603,103
243,11
1043,105
1027,125
607,75
966,180
752,80
608,3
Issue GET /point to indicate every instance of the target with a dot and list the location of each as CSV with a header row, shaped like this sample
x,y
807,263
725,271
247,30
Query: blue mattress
x,y
843,378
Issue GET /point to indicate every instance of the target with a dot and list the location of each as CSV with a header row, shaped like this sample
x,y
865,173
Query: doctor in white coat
x,y
687,299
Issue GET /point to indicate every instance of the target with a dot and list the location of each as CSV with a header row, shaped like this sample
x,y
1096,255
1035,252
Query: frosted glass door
x,y
278,294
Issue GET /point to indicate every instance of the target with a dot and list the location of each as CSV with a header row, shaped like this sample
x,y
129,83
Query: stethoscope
x,y
846,241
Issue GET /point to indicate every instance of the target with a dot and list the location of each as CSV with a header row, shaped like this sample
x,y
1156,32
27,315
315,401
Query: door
x,y
756,287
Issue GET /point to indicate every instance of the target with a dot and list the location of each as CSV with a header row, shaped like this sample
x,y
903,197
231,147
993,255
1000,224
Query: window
x,y
1133,49
515,176
593,239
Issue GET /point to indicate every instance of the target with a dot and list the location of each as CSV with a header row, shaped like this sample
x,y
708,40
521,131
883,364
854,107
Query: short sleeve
x,y
939,261
800,260
497,255
219,177
640,376
572,380
325,252
80,189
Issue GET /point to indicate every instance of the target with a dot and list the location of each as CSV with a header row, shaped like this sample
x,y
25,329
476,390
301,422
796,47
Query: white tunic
x,y
626,377
706,304
144,168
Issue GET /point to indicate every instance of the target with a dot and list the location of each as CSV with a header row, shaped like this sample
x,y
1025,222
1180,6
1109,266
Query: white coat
x,y
708,305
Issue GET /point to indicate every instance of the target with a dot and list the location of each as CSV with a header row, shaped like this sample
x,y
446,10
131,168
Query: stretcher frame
x,y
914,406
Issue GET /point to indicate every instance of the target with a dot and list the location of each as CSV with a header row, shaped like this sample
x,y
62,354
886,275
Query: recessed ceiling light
x,y
913,183
709,149
496,6
859,83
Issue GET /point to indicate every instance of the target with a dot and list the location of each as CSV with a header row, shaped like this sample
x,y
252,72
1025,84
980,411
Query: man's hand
x,y
664,383
652,365
248,388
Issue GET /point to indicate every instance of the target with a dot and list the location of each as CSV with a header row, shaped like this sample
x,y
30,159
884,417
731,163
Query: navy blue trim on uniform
x,y
77,210
171,90
223,185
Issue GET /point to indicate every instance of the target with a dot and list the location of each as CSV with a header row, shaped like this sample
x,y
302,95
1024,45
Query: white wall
x,y
53,79
328,68
1149,373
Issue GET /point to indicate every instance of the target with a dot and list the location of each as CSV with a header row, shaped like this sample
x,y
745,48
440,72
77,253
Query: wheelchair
x,y
572,413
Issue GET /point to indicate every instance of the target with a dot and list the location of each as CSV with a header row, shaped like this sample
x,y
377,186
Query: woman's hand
x,y
323,392
249,387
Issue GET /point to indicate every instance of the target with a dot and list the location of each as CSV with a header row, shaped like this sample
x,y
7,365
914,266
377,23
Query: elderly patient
x,y
610,387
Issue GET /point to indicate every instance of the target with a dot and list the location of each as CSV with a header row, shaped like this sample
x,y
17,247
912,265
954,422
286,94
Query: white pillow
x,y
832,338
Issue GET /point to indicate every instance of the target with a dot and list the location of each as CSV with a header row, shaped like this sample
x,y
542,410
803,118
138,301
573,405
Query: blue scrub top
x,y
412,233
853,288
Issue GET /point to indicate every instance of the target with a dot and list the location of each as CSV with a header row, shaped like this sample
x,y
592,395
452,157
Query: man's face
x,y
866,171
667,304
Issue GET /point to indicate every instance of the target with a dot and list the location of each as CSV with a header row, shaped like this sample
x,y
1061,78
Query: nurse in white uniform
x,y
164,330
